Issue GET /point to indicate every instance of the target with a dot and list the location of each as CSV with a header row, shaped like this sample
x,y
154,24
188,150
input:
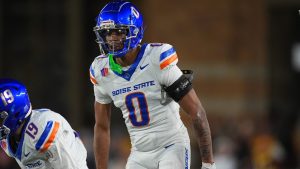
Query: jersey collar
x,y
126,74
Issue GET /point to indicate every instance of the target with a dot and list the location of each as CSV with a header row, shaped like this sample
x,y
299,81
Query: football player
x,y
37,138
135,77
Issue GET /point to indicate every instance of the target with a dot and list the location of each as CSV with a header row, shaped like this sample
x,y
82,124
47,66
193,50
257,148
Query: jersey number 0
x,y
140,118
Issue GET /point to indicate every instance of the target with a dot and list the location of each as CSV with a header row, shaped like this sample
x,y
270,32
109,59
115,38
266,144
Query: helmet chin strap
x,y
113,65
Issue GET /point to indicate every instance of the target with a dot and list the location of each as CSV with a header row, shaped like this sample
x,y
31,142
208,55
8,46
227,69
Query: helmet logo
x,y
7,97
135,12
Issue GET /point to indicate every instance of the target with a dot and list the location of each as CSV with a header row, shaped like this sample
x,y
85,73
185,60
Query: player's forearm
x,y
101,147
192,105
203,135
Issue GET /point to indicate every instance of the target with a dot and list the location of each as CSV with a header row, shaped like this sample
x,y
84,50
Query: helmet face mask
x,y
15,106
110,43
121,18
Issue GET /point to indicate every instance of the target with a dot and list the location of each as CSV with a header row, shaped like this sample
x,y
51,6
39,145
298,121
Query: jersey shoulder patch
x,y
163,55
98,69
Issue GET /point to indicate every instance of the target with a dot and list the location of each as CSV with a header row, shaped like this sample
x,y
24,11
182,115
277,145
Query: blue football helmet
x,y
124,18
15,106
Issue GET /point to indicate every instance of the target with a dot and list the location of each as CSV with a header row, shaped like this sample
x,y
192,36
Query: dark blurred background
x,y
245,55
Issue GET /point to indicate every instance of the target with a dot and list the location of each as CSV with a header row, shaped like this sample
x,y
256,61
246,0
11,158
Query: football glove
x,y
208,166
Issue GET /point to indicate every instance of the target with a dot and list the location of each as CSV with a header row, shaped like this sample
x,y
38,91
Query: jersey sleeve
x,y
67,149
56,141
51,128
166,60
93,72
97,70
42,130
92,75
101,96
168,57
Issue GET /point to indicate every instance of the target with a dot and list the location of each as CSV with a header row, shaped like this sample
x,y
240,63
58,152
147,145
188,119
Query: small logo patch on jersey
x,y
26,154
169,146
104,72
143,67
49,154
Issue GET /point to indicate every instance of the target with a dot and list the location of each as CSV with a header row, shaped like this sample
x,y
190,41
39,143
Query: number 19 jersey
x,y
47,142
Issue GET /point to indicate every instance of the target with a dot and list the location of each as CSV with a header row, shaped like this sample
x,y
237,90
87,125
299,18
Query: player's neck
x,y
15,138
129,58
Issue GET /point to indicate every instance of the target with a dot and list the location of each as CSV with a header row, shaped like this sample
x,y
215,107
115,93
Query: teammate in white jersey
x,y
37,139
136,78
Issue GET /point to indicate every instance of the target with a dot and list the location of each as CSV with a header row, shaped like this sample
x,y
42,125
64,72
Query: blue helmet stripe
x,y
44,135
166,54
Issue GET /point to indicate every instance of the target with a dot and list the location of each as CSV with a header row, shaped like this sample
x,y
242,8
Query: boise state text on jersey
x,y
131,88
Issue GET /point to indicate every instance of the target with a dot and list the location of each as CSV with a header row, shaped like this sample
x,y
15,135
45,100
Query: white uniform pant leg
x,y
177,156
134,165
143,160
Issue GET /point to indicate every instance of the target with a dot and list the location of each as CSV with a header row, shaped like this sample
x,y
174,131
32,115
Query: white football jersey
x,y
138,93
48,142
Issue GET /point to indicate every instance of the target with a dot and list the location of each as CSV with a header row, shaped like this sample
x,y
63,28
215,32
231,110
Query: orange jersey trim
x,y
93,80
51,138
168,61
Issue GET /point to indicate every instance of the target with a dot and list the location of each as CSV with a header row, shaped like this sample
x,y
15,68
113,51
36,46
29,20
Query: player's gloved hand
x,y
208,166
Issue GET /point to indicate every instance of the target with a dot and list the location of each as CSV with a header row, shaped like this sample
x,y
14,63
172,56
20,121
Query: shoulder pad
x,y
163,55
42,129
